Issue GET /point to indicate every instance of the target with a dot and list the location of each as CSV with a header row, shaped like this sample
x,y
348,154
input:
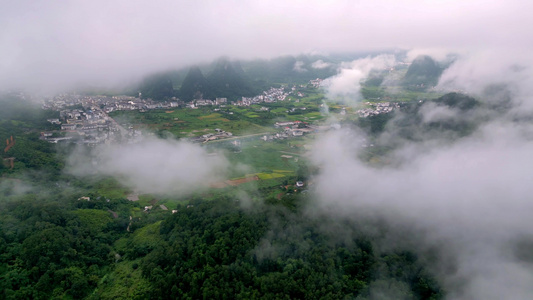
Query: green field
x,y
395,93
110,188
189,122
260,156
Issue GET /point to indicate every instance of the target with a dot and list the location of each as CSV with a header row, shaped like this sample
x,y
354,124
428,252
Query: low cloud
x,y
474,71
438,54
432,112
470,198
11,187
320,64
158,166
346,85
299,67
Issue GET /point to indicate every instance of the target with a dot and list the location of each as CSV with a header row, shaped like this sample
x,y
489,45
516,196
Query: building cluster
x,y
219,134
377,108
89,126
84,118
123,102
205,102
290,129
269,96
107,103
315,82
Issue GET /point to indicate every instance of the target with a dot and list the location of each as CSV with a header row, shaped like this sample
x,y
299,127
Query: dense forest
x,y
219,251
58,246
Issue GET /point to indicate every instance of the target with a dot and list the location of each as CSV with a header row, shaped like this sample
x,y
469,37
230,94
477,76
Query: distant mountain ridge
x,y
235,79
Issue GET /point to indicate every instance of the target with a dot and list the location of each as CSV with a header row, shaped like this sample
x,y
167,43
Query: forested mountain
x,y
422,73
457,100
226,80
195,86
289,69
229,80
157,87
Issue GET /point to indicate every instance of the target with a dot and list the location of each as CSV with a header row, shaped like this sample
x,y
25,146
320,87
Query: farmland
x,y
187,122
239,120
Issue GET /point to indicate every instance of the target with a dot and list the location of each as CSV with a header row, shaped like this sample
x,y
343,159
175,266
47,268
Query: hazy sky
x,y
55,43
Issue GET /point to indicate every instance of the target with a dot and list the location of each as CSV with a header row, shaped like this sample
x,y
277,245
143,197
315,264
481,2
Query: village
x,y
85,118
290,129
90,126
377,108
123,102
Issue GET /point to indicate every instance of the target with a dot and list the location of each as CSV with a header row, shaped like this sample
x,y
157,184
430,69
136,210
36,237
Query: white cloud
x,y
438,54
299,67
153,165
346,85
471,197
474,71
437,113
320,64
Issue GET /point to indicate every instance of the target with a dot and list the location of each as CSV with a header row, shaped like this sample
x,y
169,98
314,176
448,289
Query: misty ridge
x,y
380,172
